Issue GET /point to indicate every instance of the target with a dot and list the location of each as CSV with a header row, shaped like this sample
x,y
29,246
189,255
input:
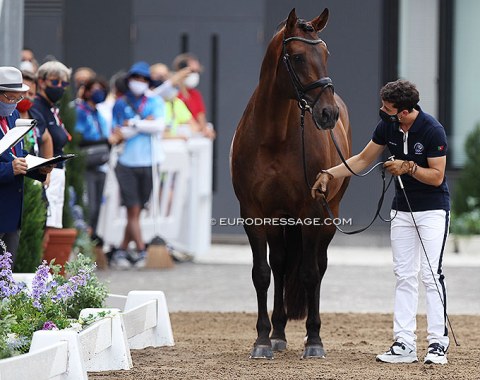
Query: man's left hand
x,y
397,167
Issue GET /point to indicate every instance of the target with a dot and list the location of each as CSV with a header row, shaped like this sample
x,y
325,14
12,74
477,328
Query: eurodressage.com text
x,y
281,222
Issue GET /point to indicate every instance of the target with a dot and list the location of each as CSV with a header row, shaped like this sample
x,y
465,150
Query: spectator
x,y
118,88
53,78
178,119
42,140
139,118
81,76
190,95
28,61
13,166
165,84
96,139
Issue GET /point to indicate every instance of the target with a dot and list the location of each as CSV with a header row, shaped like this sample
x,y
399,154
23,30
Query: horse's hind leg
x,y
276,243
261,273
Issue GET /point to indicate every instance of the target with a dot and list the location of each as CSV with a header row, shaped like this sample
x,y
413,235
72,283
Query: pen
x,y
11,154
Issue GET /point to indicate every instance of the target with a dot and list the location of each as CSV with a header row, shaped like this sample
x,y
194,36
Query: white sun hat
x,y
11,79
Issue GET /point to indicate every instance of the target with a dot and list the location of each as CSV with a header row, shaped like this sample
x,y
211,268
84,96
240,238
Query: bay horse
x,y
272,171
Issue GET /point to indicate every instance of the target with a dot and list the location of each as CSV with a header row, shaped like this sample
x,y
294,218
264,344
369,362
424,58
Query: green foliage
x,y
92,295
466,200
34,214
29,254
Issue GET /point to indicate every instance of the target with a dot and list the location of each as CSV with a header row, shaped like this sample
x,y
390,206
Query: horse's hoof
x,y
261,352
315,351
279,344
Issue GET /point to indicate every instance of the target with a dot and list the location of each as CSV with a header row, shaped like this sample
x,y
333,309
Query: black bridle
x,y
300,89
304,105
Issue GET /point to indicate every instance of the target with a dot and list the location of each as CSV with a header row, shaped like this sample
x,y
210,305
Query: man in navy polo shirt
x,y
419,145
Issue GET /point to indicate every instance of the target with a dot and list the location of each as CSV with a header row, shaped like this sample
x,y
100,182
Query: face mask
x,y
156,83
54,94
6,109
24,105
98,96
192,80
138,88
389,119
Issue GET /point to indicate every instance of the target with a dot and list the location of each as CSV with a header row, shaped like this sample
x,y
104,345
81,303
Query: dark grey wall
x,y
230,38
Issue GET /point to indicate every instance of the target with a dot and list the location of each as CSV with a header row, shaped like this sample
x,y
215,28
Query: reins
x,y
385,186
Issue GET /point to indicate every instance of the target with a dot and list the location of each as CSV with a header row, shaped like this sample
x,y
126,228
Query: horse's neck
x,y
272,115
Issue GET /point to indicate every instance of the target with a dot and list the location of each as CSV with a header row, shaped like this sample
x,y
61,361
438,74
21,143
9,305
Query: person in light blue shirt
x,y
141,121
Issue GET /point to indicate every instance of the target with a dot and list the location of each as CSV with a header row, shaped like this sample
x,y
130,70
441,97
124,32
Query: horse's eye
x,y
298,58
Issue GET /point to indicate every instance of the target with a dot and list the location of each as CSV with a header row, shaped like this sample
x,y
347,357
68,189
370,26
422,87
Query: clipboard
x,y
14,135
35,162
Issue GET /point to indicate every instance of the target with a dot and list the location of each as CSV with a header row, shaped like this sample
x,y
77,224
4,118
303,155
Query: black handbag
x,y
96,155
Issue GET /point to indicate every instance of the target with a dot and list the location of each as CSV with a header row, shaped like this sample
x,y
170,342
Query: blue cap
x,y
141,68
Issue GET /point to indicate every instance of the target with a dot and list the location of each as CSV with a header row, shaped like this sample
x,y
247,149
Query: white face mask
x,y
192,80
137,87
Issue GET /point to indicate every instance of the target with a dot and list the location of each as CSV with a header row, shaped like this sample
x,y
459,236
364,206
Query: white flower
x,y
75,326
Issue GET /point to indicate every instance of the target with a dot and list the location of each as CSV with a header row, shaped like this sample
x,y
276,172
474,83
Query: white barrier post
x,y
75,365
112,354
161,334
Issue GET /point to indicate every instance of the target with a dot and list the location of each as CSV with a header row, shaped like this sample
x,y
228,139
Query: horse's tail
x,y
295,295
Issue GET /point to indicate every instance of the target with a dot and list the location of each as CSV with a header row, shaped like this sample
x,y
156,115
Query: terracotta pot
x,y
57,244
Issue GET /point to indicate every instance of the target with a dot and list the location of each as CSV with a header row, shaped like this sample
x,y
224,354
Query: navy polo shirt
x,y
425,139
43,111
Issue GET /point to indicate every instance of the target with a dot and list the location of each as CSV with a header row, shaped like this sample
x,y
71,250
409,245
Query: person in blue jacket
x,y
140,119
13,166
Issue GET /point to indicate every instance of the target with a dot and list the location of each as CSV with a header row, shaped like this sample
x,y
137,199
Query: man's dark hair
x,y
92,81
401,93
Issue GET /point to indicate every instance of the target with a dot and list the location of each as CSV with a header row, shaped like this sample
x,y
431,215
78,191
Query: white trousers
x,y
55,196
409,259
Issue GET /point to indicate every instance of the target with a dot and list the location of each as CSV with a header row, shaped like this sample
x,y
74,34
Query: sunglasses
x,y
57,82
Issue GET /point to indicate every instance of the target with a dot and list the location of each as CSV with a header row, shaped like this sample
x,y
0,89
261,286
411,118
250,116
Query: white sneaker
x,y
120,260
436,354
398,353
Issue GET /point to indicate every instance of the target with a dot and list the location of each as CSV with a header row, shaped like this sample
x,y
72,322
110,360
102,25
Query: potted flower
x,y
53,302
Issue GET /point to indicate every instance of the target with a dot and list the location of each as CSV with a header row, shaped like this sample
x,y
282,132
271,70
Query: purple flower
x,y
49,325
8,286
39,284
68,289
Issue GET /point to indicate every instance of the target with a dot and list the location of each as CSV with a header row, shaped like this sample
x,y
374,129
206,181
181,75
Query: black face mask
x,y
155,83
54,94
389,119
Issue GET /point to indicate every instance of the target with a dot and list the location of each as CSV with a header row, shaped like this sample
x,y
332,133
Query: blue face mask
x,y
98,96
6,109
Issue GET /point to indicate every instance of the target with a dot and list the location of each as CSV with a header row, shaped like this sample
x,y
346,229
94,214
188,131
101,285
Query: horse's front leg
x,y
315,244
261,273
277,255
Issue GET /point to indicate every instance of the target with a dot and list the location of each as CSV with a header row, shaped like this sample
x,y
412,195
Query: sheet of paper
x,y
13,136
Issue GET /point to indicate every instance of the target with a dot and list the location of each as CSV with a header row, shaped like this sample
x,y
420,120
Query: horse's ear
x,y
320,22
291,20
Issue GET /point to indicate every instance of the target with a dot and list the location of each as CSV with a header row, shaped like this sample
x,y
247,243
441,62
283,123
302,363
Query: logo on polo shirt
x,y
418,147
441,148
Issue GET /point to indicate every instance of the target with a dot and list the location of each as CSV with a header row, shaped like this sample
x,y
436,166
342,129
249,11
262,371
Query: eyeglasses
x,y
13,100
56,82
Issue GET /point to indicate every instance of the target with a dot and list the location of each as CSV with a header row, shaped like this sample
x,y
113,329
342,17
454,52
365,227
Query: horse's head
x,y
305,59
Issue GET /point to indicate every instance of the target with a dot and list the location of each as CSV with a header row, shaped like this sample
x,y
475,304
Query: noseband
x,y
300,89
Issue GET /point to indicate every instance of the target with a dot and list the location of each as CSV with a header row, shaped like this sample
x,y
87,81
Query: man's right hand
x,y
19,166
320,186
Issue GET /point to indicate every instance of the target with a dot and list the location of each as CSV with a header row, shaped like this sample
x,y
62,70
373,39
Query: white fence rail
x,y
103,346
182,207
